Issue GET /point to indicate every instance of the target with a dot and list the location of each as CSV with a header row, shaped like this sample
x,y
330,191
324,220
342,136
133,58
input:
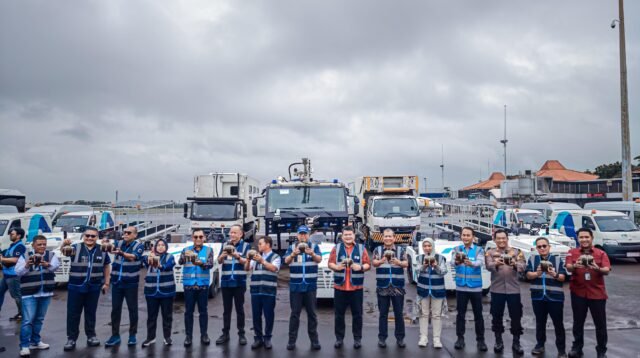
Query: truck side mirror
x,y
254,207
185,209
356,205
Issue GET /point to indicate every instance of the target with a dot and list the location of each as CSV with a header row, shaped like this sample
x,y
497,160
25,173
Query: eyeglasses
x,y
128,232
91,236
542,246
198,236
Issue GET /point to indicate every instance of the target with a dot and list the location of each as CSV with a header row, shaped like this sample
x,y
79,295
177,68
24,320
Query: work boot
x,y
242,340
224,338
204,339
459,343
482,346
499,346
70,345
516,348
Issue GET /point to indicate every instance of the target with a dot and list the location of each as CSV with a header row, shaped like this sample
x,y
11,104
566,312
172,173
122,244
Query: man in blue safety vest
x,y
10,281
264,287
233,283
390,262
197,261
546,272
88,275
125,277
469,259
303,258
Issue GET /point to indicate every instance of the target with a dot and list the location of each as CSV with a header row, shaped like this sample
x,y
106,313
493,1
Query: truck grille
x,y
325,278
400,238
177,274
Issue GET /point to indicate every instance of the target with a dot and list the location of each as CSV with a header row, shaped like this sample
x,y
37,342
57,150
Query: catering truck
x,y
221,200
389,202
301,199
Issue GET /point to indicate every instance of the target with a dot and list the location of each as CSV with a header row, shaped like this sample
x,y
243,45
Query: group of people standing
x,y
29,276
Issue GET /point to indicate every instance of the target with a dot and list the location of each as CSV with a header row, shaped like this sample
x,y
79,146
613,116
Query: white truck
x,y
74,223
528,222
388,202
32,224
221,200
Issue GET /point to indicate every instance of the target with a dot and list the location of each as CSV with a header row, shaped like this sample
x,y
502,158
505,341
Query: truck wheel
x,y
410,271
213,289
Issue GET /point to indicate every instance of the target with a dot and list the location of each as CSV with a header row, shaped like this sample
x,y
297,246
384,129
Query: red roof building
x,y
557,171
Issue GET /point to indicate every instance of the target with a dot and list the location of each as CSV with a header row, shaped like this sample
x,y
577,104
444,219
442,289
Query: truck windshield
x,y
72,220
615,224
307,198
532,218
395,207
213,211
3,226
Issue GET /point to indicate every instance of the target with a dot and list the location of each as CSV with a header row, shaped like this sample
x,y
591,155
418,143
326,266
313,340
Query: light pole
x,y
627,187
505,141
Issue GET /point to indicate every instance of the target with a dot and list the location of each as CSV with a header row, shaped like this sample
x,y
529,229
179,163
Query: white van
x,y
614,232
525,217
547,208
32,224
56,211
630,208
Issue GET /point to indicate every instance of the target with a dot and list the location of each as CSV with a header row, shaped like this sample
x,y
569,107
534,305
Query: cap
x,y
303,228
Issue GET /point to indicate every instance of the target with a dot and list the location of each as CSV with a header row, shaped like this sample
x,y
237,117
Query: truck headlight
x,y
610,242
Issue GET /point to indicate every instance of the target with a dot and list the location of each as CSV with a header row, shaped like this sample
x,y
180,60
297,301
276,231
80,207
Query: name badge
x,y
587,276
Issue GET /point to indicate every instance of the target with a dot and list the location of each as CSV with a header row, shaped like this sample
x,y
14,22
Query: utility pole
x,y
504,141
442,167
627,181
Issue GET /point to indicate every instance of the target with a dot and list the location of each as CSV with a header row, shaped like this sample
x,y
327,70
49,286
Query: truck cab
x,y
520,218
33,224
73,225
221,200
613,232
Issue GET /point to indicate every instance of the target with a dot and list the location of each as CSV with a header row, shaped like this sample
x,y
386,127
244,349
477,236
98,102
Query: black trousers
x,y
514,305
154,306
398,307
231,296
191,298
118,296
462,299
353,300
542,309
76,303
580,306
306,300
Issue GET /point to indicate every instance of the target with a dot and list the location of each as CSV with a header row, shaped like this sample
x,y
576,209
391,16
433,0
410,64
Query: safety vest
x,y
388,274
233,273
11,270
468,276
431,283
303,271
160,282
193,275
87,266
357,277
37,279
122,270
545,287
263,281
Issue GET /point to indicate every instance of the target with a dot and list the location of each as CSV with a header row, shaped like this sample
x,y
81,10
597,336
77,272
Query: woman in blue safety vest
x,y
390,286
431,293
547,295
159,291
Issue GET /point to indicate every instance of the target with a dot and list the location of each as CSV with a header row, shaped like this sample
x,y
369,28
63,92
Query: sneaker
x,y
437,343
357,344
267,344
562,355
204,339
291,346
168,342
459,343
537,350
482,347
148,342
338,344
315,346
70,345
39,346
93,342
132,341
400,343
16,318
574,353
188,341
257,344
382,344
242,340
25,352
112,341
224,338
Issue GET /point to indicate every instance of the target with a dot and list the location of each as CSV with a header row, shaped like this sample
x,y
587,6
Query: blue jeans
x,y
11,284
33,311
263,304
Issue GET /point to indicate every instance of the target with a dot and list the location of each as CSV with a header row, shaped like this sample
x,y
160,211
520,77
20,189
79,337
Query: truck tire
x,y
213,289
410,271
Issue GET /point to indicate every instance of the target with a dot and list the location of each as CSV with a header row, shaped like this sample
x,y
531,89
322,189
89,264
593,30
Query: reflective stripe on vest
x,y
159,282
12,248
304,270
37,279
263,281
87,267
233,273
429,282
126,271
193,275
387,274
357,278
546,287
468,276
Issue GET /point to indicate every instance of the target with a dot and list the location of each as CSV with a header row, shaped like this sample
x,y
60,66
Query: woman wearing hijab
x,y
159,290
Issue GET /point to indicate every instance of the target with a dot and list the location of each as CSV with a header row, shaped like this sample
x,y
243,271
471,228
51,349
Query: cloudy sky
x,y
141,95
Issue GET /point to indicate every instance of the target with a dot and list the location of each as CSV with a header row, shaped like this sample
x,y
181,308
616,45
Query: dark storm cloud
x,y
151,93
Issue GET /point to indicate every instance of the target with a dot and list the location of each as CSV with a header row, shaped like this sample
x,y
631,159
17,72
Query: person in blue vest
x,y
431,293
264,267
37,281
10,281
233,283
197,261
90,273
390,286
469,260
547,295
506,265
303,277
348,261
125,278
159,291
